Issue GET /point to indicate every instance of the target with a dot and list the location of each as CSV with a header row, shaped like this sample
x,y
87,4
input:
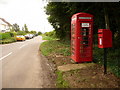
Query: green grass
x,y
49,38
60,82
55,46
113,59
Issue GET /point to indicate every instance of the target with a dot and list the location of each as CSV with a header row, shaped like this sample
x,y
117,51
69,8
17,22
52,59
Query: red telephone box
x,y
81,37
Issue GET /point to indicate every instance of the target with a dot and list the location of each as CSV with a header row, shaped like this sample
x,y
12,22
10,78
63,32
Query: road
x,y
23,66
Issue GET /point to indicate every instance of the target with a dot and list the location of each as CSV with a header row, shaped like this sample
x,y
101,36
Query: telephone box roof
x,y
82,14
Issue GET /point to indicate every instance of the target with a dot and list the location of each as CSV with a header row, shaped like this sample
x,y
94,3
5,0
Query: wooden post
x,y
107,27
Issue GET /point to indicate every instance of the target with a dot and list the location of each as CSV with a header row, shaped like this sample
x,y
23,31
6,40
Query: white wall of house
x,y
4,27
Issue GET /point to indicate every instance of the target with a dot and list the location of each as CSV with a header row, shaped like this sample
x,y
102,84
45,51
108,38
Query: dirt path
x,y
88,77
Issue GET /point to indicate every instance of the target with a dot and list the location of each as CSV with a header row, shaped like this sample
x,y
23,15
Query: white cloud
x,y
30,12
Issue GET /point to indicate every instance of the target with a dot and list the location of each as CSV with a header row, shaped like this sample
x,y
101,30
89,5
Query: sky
x,y
29,12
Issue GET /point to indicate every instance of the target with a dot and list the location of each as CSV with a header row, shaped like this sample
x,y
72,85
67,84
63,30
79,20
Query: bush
x,y
21,33
13,34
4,36
7,37
39,33
10,40
51,34
0,36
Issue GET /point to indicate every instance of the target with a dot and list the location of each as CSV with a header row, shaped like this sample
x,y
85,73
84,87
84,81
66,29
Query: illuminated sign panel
x,y
85,17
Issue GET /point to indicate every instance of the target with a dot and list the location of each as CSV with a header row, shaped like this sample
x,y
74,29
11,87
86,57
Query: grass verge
x,y
61,83
55,46
53,50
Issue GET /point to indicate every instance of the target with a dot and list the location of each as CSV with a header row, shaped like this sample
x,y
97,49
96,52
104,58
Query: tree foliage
x,y
21,33
39,33
33,32
15,27
25,28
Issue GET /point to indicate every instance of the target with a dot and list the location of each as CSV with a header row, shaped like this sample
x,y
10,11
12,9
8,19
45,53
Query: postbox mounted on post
x,y
81,37
104,38
104,41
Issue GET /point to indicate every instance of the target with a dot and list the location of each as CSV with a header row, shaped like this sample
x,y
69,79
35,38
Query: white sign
x,y
100,41
85,25
85,17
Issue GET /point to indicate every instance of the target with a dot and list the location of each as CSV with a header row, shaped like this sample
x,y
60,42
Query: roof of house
x,y
5,21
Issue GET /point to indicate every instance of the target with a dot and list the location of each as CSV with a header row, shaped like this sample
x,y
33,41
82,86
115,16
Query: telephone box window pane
x,y
73,37
85,33
85,42
73,27
81,42
85,29
73,53
85,38
73,49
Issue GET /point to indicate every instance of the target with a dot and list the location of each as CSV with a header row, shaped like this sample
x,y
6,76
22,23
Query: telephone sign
x,y
81,37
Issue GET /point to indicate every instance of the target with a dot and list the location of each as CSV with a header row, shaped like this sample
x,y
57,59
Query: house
x,y
4,25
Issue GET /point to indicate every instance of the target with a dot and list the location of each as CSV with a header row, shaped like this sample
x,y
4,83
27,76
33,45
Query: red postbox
x,y
104,38
81,37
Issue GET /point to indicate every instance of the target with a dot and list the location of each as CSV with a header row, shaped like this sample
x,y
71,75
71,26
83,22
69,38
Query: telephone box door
x,y
85,39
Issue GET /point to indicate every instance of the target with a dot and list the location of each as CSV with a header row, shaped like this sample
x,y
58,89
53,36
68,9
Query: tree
x,y
57,12
26,28
39,33
15,27
33,32
21,33
23,29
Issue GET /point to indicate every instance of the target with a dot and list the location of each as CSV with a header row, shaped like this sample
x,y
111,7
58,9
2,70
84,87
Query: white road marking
x,y
22,46
6,56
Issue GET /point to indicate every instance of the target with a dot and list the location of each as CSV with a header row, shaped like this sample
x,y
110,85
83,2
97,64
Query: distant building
x,y
4,25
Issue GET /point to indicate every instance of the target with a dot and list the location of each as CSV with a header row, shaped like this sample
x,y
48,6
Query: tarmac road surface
x,y
23,65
